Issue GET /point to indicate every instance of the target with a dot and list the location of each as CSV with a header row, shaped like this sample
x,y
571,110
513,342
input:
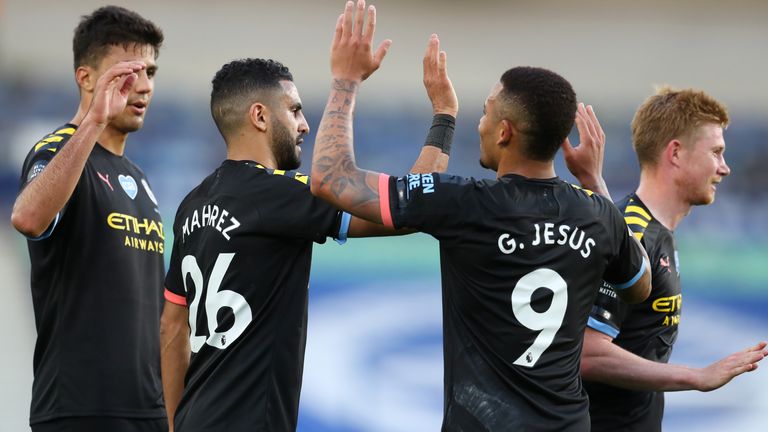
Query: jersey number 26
x,y
216,299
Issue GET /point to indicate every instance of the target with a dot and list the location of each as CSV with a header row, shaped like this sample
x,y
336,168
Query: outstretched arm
x,y
437,146
606,362
335,176
445,107
39,202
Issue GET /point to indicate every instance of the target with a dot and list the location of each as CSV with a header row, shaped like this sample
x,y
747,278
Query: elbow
x,y
169,326
316,185
27,224
319,187
587,368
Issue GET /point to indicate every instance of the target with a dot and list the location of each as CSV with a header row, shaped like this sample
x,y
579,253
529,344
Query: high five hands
x,y
352,58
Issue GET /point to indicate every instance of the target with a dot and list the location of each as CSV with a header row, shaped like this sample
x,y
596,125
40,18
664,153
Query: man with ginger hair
x,y
678,138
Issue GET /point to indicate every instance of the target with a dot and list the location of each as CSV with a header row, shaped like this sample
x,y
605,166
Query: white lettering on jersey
x,y
425,181
550,234
212,216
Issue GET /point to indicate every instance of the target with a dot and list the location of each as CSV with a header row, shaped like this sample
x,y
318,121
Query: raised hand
x,y
112,89
351,55
721,372
585,161
436,81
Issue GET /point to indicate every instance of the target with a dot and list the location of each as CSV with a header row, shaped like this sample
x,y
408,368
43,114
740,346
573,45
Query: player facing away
x,y
96,242
518,253
678,138
237,285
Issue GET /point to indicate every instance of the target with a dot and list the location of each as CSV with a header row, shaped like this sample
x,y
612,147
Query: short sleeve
x,y
38,159
626,264
426,202
292,211
608,312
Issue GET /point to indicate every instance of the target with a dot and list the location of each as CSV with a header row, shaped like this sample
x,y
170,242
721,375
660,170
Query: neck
x,y
243,147
515,164
662,198
111,139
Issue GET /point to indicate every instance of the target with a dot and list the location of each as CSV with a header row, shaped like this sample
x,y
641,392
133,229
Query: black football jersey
x,y
96,276
647,329
241,261
521,260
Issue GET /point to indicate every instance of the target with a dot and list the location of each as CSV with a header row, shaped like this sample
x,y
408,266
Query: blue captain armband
x,y
343,228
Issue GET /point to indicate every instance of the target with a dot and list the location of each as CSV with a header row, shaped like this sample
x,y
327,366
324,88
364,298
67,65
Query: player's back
x,y
520,260
241,260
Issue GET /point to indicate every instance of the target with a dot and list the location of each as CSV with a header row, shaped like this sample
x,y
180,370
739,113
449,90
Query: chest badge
x,y
129,185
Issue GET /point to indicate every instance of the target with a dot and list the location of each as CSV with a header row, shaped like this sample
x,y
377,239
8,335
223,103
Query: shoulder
x,y
52,142
638,219
588,198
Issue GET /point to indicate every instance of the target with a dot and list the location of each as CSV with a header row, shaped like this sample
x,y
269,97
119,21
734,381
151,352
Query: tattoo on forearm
x,y
334,158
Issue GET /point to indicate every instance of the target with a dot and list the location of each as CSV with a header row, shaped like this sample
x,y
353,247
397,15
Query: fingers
x,y
371,28
430,57
581,125
596,123
758,347
359,17
339,29
115,77
430,54
349,12
381,51
126,82
443,68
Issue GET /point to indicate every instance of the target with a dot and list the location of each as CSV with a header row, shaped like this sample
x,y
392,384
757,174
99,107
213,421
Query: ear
x,y
86,78
506,133
672,153
258,115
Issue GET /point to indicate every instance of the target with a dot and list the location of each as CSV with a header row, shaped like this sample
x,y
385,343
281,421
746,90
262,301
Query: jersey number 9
x,y
548,321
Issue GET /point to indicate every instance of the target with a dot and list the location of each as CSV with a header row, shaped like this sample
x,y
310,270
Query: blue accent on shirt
x,y
634,279
343,228
602,327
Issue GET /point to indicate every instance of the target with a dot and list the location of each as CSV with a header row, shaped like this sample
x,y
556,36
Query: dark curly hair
x,y
545,104
237,85
110,26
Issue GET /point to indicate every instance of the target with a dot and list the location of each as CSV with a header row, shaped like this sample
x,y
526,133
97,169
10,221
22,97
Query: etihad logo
x,y
143,227
669,305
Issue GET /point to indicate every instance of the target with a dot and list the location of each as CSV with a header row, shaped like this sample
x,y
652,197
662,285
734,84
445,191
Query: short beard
x,y
283,147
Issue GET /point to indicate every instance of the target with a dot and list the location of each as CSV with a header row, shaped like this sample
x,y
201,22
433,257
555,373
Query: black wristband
x,y
441,132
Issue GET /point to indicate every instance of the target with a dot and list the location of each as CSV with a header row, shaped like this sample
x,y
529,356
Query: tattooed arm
x,y
335,176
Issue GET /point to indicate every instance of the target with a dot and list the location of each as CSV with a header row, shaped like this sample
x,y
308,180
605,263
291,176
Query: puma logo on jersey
x,y
105,179
664,262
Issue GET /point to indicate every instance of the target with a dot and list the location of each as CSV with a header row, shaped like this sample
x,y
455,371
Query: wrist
x,y
93,120
441,132
592,182
345,84
447,111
